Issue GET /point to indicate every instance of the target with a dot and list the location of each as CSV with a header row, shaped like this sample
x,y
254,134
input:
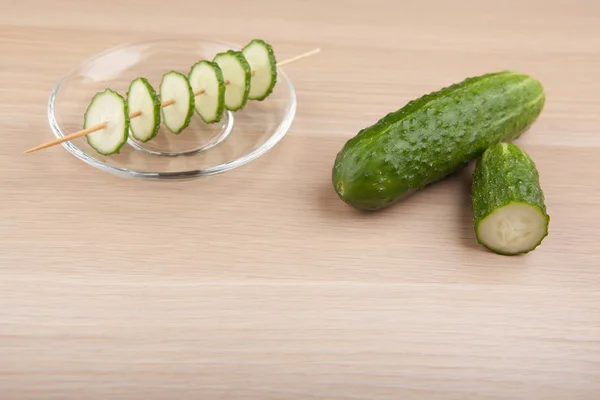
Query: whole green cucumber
x,y
508,203
433,136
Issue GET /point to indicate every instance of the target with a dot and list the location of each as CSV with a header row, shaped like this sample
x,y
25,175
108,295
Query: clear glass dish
x,y
201,149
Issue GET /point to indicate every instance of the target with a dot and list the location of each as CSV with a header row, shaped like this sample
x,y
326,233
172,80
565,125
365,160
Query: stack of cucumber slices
x,y
211,87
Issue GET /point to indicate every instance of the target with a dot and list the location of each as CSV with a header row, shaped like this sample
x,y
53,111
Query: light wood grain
x,y
260,283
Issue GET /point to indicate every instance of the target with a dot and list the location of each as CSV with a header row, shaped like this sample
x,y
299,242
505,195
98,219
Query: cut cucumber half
x,y
263,67
175,86
207,76
236,73
508,204
110,107
141,96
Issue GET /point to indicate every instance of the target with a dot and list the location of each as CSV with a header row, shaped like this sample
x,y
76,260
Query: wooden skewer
x,y
75,135
138,113
298,57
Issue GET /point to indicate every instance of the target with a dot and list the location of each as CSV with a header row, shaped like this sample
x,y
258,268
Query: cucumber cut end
x,y
236,73
262,61
109,107
515,228
206,76
141,96
176,86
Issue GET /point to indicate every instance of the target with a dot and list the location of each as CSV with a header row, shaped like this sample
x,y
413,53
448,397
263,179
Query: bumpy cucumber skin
x,y
117,150
247,72
505,174
273,65
221,98
188,117
434,136
155,106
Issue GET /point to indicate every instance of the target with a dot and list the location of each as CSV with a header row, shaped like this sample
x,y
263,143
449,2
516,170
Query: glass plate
x,y
201,149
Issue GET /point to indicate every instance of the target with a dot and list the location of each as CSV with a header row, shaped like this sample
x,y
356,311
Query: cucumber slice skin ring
x,y
272,65
155,107
506,184
117,147
221,91
190,110
247,76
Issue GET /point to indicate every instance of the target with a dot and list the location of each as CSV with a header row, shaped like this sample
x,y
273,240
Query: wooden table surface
x,y
260,283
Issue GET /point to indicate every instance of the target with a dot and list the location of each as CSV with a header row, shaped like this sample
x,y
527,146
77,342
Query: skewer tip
x,y
299,57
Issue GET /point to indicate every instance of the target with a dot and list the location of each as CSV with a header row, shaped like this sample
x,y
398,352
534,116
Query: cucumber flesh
x,y
207,76
433,136
110,107
515,228
263,64
175,86
236,73
508,203
141,96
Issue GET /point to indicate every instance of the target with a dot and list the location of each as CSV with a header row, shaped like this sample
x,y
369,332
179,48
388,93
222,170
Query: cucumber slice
x,y
175,86
141,96
508,204
207,76
110,107
263,64
236,72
